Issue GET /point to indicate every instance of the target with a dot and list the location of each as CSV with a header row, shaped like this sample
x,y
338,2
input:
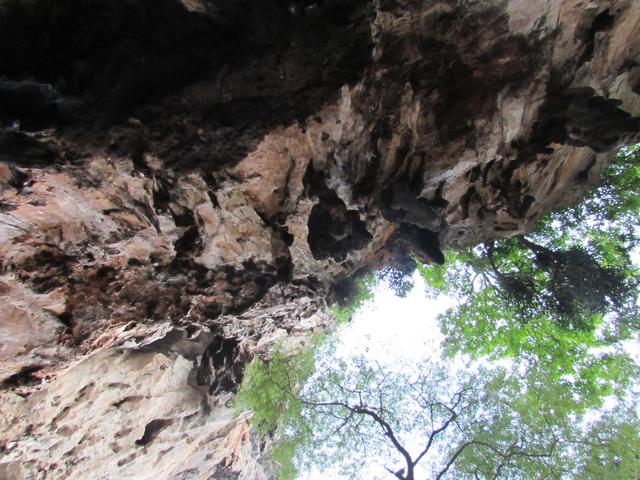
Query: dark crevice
x,y
95,64
335,231
575,117
221,366
152,429
66,318
281,241
583,175
25,377
474,173
106,272
603,22
7,207
525,204
161,194
134,262
399,204
368,179
189,243
465,201
24,150
438,202
343,291
597,122
286,237
46,270
423,243
313,181
579,118
130,398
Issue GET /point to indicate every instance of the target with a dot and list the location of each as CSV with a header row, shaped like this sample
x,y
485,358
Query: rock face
x,y
183,183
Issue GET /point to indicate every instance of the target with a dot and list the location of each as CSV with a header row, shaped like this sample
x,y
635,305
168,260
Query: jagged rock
x,y
182,183
118,415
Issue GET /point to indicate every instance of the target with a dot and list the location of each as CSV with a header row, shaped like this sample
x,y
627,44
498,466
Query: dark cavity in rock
x,y
399,205
152,429
335,231
221,366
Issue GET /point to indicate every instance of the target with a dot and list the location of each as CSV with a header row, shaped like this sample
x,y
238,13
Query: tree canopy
x,y
434,419
553,295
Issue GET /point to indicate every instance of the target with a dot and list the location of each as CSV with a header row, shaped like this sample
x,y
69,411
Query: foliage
x,y
273,406
437,420
612,450
605,227
557,294
363,292
397,278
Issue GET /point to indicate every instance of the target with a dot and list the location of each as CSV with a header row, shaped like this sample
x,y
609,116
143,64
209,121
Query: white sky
x,y
394,331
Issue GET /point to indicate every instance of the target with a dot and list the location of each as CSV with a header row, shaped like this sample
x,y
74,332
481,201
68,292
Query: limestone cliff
x,y
185,183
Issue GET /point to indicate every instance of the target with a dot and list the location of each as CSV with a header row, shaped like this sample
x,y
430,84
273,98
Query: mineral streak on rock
x,y
182,182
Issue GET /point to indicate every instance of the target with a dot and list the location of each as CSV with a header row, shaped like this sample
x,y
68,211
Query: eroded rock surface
x,y
182,183
132,414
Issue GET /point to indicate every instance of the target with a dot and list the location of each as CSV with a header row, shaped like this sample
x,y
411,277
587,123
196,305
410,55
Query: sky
x,y
395,332
396,329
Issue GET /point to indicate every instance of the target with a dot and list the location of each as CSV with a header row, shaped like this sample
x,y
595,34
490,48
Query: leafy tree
x,y
612,450
435,420
557,302
362,292
553,295
269,389
397,278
